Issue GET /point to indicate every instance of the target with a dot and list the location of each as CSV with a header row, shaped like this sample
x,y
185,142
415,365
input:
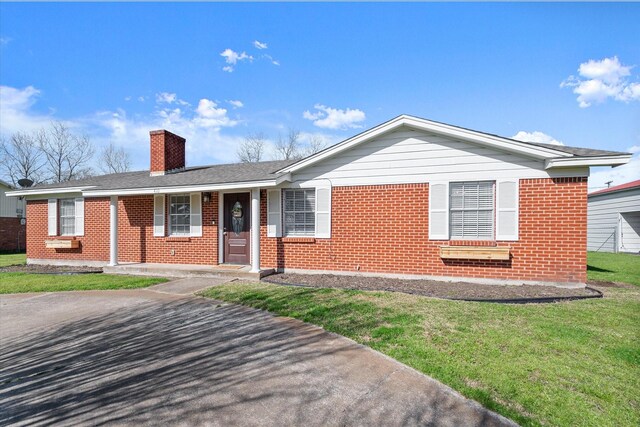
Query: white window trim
x,y
60,216
283,201
168,213
493,213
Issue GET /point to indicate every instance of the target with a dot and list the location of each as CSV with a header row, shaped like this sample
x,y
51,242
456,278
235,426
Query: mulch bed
x,y
49,269
431,288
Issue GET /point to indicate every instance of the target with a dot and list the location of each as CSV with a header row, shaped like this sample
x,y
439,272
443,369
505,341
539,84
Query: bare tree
x,y
20,157
289,148
252,148
316,143
67,155
114,160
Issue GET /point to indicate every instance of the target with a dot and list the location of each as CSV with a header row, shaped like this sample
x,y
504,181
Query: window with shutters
x,y
299,212
180,215
67,214
471,210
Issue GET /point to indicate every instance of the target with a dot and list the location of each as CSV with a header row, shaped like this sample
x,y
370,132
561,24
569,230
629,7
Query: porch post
x,y
255,230
113,231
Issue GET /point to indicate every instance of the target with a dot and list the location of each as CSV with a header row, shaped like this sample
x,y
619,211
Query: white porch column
x,y
255,230
113,231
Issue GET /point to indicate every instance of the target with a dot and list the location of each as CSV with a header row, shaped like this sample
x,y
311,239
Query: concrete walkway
x,y
157,356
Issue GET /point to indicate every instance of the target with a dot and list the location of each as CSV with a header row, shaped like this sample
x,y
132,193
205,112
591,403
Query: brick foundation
x,y
369,235
12,235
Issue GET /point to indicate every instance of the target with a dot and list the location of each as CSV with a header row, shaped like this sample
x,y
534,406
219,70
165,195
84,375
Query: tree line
x,y
288,147
56,154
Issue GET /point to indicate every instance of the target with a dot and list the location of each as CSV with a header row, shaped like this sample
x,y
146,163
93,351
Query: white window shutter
x,y
274,213
196,214
323,212
53,217
158,215
79,216
507,209
439,211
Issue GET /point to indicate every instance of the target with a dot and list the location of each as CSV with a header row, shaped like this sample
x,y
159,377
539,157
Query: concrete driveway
x,y
162,356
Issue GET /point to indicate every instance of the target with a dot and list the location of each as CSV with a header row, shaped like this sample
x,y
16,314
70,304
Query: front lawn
x,y
12,259
572,363
24,282
611,267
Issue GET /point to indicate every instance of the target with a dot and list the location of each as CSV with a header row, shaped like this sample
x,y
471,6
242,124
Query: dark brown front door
x,y
237,221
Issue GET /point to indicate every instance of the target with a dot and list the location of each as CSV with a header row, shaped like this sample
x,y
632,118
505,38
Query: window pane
x,y
179,215
299,211
471,210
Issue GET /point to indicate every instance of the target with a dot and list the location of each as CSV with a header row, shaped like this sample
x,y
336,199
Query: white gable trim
x,y
588,161
496,142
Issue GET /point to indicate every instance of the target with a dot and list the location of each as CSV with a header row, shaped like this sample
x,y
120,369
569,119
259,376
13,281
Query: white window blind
x,y
299,211
471,207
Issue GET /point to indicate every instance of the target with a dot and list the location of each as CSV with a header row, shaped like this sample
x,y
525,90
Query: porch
x,y
187,270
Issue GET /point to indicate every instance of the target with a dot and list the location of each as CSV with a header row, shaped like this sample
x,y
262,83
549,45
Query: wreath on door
x,y
237,218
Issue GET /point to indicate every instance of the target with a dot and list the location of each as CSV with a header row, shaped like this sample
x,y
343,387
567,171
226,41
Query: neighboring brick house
x,y
12,222
409,197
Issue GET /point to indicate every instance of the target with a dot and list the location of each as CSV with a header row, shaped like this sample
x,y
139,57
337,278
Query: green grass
x,y
570,364
12,259
11,283
613,267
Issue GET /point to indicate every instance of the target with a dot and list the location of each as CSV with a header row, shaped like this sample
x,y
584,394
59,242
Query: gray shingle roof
x,y
214,174
576,151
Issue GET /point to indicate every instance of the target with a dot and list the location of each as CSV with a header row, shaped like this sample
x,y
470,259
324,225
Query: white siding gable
x,y
410,156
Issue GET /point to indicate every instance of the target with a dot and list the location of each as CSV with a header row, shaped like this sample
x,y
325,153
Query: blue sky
x,y
563,72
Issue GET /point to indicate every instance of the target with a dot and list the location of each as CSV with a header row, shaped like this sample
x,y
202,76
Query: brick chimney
x,y
167,152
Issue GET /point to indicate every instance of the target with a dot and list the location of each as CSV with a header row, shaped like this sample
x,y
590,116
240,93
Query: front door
x,y
237,220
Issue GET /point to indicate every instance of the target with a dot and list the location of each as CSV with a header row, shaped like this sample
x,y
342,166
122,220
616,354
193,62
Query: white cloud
x,y
270,59
260,45
232,58
5,41
536,136
634,149
141,98
619,175
206,127
166,97
333,118
15,110
600,80
209,115
235,103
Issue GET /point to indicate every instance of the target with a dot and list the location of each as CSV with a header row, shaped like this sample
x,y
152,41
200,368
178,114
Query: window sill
x,y
475,252
298,240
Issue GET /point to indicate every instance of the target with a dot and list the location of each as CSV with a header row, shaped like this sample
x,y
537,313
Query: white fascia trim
x,y
183,189
36,192
616,160
497,142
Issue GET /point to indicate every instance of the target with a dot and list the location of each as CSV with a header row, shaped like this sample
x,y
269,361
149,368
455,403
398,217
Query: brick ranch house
x,y
409,197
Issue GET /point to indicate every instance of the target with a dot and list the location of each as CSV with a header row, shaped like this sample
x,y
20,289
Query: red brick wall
x,y
12,234
136,242
369,235
94,245
167,151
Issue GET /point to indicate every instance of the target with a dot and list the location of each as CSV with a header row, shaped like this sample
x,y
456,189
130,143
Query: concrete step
x,y
184,270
